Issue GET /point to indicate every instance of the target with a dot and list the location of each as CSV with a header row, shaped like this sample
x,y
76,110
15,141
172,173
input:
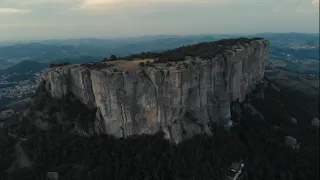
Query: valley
x,y
274,129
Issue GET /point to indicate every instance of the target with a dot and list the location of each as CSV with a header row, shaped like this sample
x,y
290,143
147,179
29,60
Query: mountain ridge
x,y
179,99
275,129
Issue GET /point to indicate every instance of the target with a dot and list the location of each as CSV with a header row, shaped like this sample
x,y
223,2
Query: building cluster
x,y
304,46
16,89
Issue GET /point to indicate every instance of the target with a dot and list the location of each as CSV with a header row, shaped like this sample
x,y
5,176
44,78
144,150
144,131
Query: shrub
x,y
169,64
58,65
87,65
161,60
148,63
141,64
186,65
206,50
113,58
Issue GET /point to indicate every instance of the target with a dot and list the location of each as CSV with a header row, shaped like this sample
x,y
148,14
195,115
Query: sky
x,y
50,19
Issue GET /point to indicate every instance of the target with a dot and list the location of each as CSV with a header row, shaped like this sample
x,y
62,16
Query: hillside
x,y
185,113
174,98
260,140
206,50
25,67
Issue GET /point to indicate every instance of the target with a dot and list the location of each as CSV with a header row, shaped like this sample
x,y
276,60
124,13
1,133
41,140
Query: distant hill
x,y
45,51
294,46
25,67
283,46
287,39
36,66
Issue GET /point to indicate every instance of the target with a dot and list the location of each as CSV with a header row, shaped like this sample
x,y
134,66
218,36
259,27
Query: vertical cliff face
x,y
180,100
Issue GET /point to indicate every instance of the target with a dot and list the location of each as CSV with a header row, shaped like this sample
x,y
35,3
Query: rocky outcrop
x,y
52,176
315,122
292,142
252,110
293,120
181,99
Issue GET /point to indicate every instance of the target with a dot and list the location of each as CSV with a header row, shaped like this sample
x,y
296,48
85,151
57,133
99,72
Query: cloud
x,y
99,2
13,11
315,3
108,18
121,8
28,25
93,4
90,5
33,2
297,7
309,8
9,25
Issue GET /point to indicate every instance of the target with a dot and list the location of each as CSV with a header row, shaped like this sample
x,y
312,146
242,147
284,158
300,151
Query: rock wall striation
x,y
181,100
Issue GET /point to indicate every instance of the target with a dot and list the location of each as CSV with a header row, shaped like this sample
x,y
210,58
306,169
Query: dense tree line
x,y
103,156
59,64
202,157
143,157
97,65
266,142
6,152
206,50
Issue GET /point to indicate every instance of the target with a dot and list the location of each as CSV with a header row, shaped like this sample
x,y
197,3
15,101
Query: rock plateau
x,y
181,99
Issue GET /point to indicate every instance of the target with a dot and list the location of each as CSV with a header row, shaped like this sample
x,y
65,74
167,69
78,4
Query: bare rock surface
x,y
52,176
292,142
315,122
293,120
180,100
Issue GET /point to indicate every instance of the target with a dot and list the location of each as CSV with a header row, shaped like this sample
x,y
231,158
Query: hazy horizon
x,y
69,19
35,40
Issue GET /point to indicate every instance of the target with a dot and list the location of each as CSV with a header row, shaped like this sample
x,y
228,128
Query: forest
x,y
205,50
203,157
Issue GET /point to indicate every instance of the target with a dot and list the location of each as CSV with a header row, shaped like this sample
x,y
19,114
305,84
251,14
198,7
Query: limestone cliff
x,y
181,99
